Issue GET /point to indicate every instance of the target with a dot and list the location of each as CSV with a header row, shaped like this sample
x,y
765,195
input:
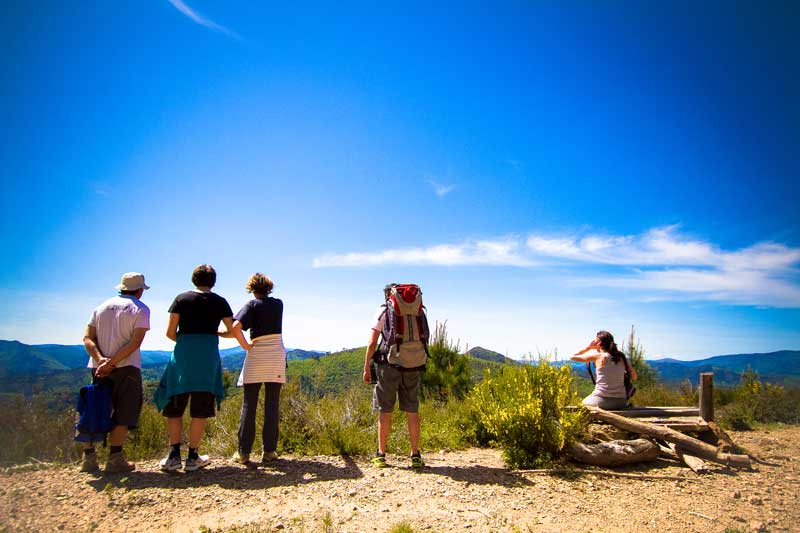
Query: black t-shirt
x,y
261,317
200,312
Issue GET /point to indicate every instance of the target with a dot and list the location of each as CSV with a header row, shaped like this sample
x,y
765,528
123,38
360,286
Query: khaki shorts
x,y
395,384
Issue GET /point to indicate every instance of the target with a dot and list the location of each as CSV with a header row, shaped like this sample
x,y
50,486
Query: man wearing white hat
x,y
113,336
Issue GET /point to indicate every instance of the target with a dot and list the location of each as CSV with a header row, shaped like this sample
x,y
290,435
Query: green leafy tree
x,y
447,371
648,376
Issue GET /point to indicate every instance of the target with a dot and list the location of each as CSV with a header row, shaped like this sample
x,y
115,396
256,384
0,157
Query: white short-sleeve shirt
x,y
115,319
379,320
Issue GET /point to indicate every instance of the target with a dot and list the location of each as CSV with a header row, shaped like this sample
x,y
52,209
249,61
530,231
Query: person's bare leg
x,y
196,428
175,430
384,426
118,434
413,431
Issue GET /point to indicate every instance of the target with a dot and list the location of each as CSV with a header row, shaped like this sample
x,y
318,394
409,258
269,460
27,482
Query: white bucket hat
x,y
132,281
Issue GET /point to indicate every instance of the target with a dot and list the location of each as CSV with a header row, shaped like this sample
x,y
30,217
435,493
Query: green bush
x,y
754,401
29,430
447,372
523,410
661,395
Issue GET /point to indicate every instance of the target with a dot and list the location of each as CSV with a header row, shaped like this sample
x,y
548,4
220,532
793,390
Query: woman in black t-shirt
x,y
264,364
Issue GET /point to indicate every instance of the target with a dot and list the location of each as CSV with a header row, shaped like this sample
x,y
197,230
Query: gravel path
x,y
468,490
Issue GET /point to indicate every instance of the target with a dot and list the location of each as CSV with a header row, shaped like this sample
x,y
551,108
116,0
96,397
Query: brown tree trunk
x,y
616,452
724,442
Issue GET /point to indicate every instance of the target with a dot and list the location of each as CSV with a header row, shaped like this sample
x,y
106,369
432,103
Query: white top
x,y
610,379
379,320
115,319
266,362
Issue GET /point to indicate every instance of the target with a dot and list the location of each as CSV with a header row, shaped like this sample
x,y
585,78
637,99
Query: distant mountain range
x,y
775,367
781,367
27,368
17,358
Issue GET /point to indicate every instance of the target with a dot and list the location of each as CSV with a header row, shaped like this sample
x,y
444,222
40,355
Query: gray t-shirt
x,y
115,319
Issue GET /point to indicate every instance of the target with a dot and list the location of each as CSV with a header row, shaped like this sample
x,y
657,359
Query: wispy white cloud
x,y
102,189
495,253
181,6
665,247
441,190
667,265
657,265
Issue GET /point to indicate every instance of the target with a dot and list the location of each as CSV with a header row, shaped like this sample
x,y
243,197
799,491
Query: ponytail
x,y
608,344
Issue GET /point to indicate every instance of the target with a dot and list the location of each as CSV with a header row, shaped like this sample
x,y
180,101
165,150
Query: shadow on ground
x,y
281,473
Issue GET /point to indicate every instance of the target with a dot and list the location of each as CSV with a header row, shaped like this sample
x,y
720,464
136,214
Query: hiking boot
x,y
171,463
241,458
416,461
379,461
89,463
117,463
269,457
193,463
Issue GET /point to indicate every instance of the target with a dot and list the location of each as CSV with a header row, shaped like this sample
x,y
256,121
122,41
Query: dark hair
x,y
129,293
204,276
259,284
607,343
388,289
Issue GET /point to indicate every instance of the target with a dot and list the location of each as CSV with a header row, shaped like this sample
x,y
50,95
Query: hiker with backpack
x,y
265,364
194,372
395,365
113,402
612,388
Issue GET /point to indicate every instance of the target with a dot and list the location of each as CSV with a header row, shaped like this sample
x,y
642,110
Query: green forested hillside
x,y
330,373
17,358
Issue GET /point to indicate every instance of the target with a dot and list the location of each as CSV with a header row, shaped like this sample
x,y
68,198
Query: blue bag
x,y
94,411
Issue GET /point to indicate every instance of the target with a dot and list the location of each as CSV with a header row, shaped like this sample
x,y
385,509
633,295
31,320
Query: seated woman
x,y
609,390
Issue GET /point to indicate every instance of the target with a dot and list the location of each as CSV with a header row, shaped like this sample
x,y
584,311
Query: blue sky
x,y
542,169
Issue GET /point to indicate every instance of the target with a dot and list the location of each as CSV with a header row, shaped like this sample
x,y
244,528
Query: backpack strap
x,y
591,374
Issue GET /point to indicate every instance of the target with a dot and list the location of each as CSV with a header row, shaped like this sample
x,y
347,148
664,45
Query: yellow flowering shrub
x,y
523,410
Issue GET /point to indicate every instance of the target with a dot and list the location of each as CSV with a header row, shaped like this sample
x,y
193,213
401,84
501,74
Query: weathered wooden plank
x,y
652,412
695,463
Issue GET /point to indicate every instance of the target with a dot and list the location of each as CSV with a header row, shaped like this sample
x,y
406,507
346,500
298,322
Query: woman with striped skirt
x,y
265,364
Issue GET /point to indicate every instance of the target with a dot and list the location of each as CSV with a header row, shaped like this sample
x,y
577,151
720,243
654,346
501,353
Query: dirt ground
x,y
457,491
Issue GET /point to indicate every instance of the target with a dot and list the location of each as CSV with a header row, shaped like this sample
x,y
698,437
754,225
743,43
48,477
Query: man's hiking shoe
x,y
416,461
89,463
117,463
171,464
193,463
269,457
241,458
379,461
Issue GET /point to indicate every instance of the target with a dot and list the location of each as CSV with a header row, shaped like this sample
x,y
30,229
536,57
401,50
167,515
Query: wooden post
x,y
707,396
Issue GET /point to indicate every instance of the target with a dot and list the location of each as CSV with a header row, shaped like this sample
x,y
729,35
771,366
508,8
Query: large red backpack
x,y
405,331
